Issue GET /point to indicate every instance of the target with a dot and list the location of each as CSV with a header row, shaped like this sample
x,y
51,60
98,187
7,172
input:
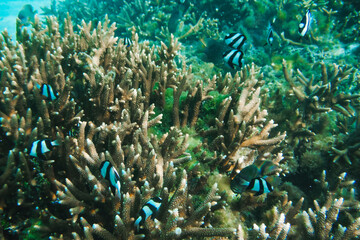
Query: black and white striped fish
x,y
108,172
40,147
150,208
242,180
248,179
127,42
304,25
233,57
47,91
259,186
235,40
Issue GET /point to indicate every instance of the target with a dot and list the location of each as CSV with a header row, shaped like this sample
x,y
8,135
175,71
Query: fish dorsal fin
x,y
250,172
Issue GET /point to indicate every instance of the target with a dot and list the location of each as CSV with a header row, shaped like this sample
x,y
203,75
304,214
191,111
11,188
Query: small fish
x,y
74,131
109,173
259,186
40,147
235,40
242,180
150,208
127,42
47,91
26,15
267,168
270,36
249,179
304,25
233,57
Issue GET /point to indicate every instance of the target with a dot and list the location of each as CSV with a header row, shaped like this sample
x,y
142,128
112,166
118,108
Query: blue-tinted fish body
x,y
249,179
242,180
235,40
26,15
259,186
266,168
270,36
305,23
234,57
127,42
150,208
47,91
239,184
108,172
40,147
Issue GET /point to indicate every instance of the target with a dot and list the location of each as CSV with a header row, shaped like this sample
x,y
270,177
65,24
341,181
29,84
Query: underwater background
x,y
9,11
178,119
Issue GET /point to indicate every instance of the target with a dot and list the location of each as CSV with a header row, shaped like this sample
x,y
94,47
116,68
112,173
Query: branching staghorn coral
x,y
348,150
153,19
117,96
319,223
332,93
326,95
322,95
287,221
343,187
196,97
278,220
240,124
143,175
104,93
346,146
322,223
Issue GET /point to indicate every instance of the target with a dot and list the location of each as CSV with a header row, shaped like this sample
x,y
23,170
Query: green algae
x,y
209,109
32,232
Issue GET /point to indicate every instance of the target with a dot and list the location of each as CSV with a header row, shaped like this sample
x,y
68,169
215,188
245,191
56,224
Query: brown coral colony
x,y
103,138
103,112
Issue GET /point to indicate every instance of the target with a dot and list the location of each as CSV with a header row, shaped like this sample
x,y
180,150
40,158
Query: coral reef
x,y
198,26
104,89
153,20
323,95
241,124
322,223
176,128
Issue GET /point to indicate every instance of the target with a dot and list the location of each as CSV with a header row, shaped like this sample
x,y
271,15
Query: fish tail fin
x,y
55,143
274,180
118,191
137,224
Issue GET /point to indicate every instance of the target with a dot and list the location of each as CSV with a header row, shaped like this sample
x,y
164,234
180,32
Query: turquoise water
x,y
9,11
